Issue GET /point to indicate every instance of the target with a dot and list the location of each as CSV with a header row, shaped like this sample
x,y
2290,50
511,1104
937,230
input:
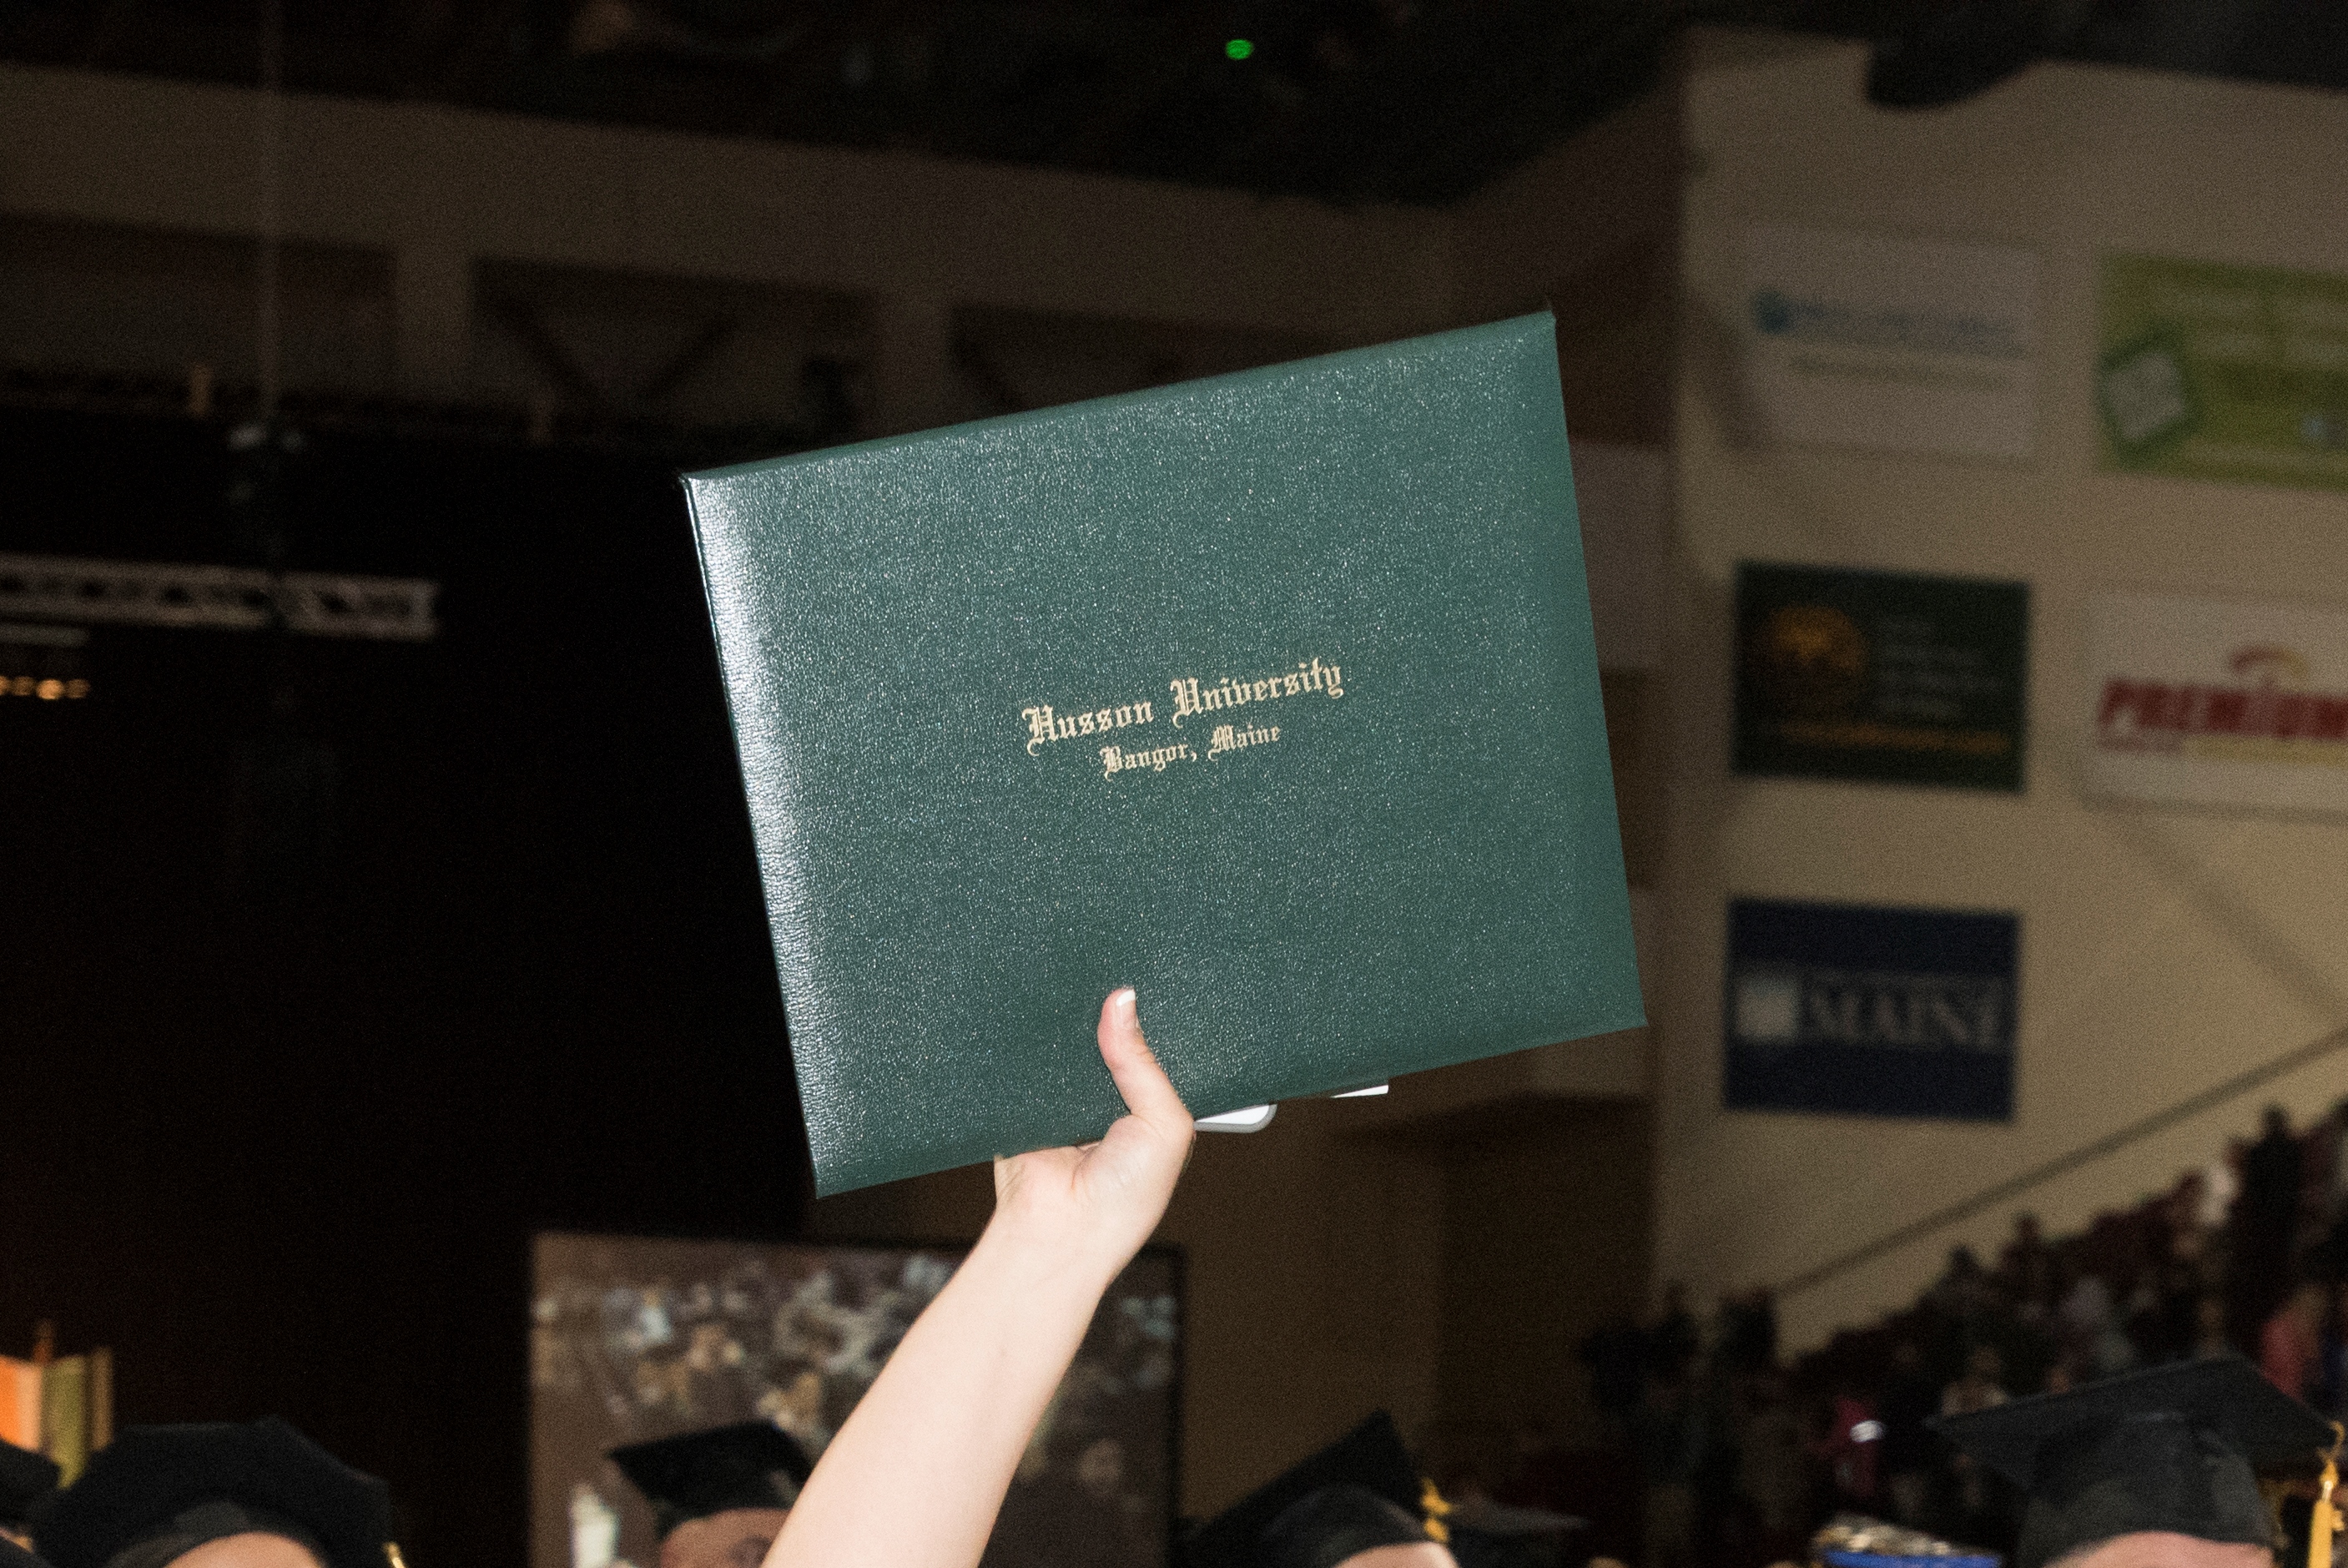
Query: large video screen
x,y
633,1338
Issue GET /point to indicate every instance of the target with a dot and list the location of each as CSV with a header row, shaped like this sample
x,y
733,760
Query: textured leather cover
x,y
935,646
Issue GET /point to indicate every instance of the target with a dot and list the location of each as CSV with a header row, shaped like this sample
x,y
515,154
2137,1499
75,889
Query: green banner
x,y
1883,677
2215,372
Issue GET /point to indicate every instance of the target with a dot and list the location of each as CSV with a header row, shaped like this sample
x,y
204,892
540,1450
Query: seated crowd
x,y
1725,1456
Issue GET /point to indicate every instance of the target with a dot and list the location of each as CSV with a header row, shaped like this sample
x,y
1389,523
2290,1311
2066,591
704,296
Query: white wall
x,y
2162,951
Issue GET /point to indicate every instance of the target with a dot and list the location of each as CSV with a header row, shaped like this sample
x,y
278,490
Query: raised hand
x,y
915,1475
1096,1206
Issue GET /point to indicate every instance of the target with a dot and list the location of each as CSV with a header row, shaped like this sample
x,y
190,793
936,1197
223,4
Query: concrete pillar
x,y
913,363
432,316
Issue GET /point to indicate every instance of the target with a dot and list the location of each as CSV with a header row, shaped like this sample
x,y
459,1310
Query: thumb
x,y
1149,1093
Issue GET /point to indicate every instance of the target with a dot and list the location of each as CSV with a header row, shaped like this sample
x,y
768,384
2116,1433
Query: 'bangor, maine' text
x,y
1238,737
1115,759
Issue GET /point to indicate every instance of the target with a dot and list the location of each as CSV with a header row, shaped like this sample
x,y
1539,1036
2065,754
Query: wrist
x,y
1041,1264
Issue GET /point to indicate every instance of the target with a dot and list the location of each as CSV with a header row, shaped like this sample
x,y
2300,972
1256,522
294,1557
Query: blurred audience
x,y
1739,1458
2291,1345
2265,1217
1673,1440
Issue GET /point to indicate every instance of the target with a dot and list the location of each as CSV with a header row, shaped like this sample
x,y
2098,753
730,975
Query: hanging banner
x,y
1892,344
2214,372
2199,702
1880,676
1866,1011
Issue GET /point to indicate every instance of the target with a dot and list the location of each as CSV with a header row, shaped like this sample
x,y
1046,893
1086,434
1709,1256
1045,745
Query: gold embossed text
x,y
1309,676
1043,726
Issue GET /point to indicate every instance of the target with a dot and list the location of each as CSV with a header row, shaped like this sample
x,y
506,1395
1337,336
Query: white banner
x,y
2202,703
1898,345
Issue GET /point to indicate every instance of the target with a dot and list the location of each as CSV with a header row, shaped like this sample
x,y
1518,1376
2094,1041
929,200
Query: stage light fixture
x,y
1239,48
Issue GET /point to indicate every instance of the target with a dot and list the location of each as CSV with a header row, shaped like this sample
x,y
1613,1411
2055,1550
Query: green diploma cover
x,y
1271,695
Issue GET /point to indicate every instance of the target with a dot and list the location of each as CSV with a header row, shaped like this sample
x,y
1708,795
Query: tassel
x,y
1431,1504
2324,1518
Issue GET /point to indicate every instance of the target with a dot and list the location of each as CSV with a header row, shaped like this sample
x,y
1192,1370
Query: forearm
x,y
915,1476
917,1473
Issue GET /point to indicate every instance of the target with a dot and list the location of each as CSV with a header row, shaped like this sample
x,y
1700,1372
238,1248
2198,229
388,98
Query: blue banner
x,y
1865,1011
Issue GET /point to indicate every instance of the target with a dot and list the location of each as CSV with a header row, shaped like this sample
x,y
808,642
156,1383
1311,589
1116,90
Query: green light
x,y
1239,48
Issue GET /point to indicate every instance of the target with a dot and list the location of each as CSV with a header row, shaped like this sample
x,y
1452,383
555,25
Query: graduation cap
x,y
2173,1449
702,1473
26,1479
1486,1534
1361,1492
166,1490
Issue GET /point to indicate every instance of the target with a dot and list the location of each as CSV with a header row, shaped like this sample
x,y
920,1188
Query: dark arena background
x,y
349,963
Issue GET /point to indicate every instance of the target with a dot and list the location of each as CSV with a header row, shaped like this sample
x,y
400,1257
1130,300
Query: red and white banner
x,y
2199,702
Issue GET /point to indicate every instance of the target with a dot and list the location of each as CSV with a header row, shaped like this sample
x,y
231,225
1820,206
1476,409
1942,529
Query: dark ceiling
x,y
1348,100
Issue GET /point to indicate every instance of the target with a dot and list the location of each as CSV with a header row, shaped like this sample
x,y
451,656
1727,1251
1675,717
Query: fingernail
x,y
1123,996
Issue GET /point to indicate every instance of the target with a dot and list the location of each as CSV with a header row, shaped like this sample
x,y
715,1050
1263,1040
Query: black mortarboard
x,y
1359,1487
27,1479
1487,1534
1326,1528
2172,1448
168,1490
702,1473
